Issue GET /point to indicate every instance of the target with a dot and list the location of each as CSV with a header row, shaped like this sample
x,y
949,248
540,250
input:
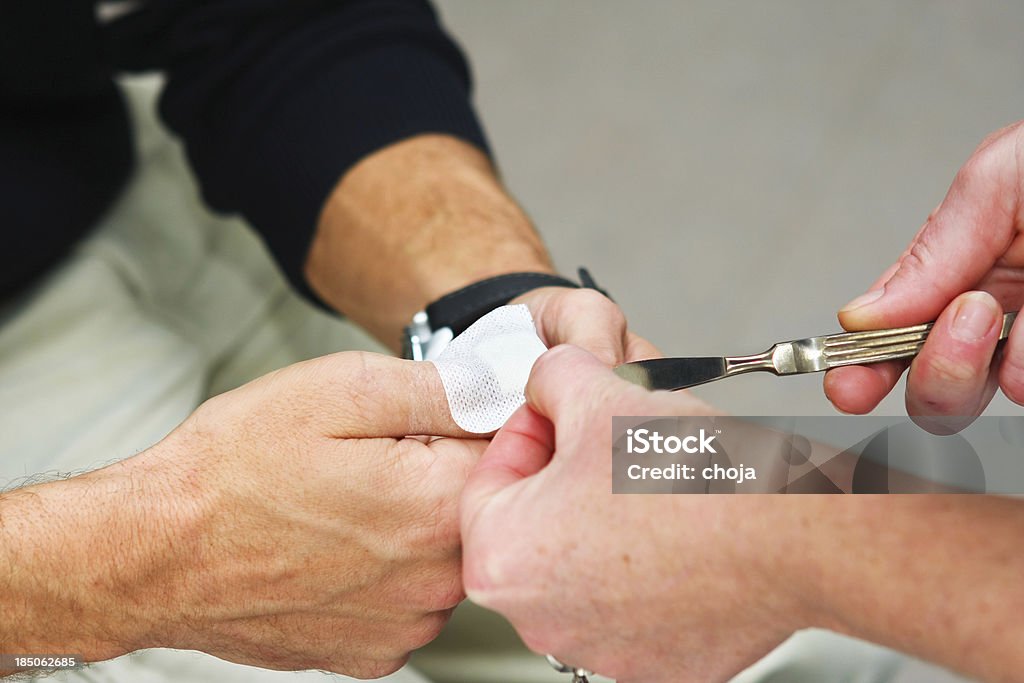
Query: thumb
x,y
958,245
567,382
359,395
521,448
526,443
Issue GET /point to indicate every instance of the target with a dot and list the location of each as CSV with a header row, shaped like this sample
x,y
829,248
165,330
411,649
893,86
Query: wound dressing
x,y
484,370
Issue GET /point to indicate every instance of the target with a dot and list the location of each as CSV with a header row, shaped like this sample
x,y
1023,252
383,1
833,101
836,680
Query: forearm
x,y
412,222
936,576
76,557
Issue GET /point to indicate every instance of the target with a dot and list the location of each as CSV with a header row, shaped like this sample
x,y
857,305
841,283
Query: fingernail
x,y
975,316
864,300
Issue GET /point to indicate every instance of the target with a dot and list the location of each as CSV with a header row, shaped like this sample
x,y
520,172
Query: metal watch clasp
x,y
423,343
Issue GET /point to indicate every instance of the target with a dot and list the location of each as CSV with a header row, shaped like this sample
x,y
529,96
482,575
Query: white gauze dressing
x,y
484,370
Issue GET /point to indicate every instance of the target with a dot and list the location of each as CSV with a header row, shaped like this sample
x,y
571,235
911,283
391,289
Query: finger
x,y
575,390
357,394
974,226
567,380
951,375
581,317
858,389
638,348
521,448
1011,369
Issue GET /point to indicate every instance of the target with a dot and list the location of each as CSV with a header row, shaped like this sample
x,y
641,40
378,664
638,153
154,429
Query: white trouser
x,y
162,307
166,305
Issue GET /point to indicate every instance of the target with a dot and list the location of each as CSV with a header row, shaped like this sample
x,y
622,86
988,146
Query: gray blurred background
x,y
733,172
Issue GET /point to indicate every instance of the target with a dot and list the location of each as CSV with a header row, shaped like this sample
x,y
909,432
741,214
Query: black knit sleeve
x,y
276,99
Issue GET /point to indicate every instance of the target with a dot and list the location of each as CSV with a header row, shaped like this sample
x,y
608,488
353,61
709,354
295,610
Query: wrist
x,y
786,548
433,328
169,521
134,546
137,578
440,277
412,222
75,552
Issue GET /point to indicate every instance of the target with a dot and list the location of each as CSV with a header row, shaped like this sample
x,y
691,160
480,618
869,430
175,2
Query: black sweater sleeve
x,y
276,99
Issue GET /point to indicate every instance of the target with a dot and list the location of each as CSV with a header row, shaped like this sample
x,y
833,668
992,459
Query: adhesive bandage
x,y
484,370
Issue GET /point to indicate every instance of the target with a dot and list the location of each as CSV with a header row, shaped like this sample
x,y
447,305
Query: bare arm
x,y
259,531
276,104
936,576
412,222
75,556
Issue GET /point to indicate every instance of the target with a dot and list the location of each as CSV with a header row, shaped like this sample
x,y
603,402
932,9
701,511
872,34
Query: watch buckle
x,y
423,343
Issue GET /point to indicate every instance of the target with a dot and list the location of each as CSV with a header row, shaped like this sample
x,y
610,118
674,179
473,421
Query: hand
x,y
321,536
636,587
964,268
287,524
588,319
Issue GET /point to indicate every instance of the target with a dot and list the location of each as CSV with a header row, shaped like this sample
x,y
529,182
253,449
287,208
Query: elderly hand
x,y
588,319
288,524
964,268
636,587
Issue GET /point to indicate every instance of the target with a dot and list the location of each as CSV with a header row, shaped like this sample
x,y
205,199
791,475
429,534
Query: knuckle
x,y
593,299
436,589
446,593
426,630
452,597
985,161
919,255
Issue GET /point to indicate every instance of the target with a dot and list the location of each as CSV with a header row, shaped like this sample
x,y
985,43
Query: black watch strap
x,y
463,307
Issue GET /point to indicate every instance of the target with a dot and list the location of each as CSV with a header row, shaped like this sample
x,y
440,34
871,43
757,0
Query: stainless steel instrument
x,y
814,354
578,675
